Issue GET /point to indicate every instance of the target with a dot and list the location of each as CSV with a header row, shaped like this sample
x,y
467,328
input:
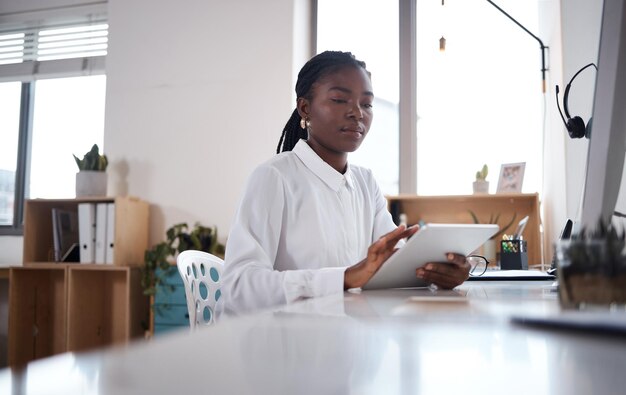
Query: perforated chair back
x,y
201,273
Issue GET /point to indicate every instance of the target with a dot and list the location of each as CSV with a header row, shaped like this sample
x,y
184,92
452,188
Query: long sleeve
x,y
251,280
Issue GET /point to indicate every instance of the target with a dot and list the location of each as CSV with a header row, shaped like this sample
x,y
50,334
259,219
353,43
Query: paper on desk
x,y
514,274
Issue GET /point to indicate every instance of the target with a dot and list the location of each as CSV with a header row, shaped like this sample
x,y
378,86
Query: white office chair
x,y
201,274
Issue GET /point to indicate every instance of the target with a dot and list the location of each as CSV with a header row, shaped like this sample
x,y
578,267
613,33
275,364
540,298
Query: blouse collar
x,y
321,169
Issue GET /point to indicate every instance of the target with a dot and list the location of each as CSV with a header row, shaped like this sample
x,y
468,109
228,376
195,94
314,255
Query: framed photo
x,y
511,178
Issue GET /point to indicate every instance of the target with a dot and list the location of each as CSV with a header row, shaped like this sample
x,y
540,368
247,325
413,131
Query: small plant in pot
x,y
481,185
160,259
91,179
489,248
591,267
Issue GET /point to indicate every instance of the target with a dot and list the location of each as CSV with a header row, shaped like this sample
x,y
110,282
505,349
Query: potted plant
x,y
591,267
160,259
481,185
91,179
490,246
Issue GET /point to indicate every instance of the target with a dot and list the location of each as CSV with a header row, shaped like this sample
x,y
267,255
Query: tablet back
x,y
430,244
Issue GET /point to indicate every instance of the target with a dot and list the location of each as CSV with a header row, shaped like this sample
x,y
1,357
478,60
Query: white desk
x,y
376,342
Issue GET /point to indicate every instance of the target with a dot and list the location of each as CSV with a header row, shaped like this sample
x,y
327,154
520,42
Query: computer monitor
x,y
607,144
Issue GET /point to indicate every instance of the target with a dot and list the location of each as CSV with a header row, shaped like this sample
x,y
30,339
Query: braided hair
x,y
317,67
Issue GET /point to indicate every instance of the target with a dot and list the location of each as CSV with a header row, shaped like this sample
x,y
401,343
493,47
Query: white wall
x,y
197,95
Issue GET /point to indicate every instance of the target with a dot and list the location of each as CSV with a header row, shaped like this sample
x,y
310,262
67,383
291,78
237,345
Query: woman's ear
x,y
302,105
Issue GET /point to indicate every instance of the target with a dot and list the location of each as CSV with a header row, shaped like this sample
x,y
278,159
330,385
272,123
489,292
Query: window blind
x,y
49,51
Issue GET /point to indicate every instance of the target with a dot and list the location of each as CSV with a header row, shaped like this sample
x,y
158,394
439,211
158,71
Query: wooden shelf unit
x,y
456,209
59,307
131,228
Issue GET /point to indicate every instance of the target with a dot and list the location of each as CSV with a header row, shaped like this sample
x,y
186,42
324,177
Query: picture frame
x,y
511,177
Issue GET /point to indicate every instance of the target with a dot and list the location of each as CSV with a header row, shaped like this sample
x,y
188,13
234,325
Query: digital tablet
x,y
431,243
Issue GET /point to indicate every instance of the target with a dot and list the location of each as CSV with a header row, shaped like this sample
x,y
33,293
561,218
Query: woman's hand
x,y
446,274
358,275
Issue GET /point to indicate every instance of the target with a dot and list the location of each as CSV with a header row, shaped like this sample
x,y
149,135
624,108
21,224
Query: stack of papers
x,y
510,275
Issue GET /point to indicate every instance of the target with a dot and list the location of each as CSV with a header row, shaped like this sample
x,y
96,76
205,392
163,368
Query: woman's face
x,y
339,112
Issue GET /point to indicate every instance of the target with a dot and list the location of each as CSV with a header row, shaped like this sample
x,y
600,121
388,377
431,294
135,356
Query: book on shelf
x,y
65,235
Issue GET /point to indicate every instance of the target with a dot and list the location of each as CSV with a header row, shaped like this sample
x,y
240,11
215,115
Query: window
x,y
378,47
479,101
52,96
68,119
10,93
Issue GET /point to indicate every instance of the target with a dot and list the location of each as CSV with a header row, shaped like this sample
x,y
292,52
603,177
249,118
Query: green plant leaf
x,y
505,227
92,160
474,217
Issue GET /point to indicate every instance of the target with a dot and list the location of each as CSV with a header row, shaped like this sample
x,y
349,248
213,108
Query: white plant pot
x,y
91,183
481,187
489,251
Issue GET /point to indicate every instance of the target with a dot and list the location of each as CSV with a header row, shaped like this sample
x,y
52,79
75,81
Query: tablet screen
x,y
430,244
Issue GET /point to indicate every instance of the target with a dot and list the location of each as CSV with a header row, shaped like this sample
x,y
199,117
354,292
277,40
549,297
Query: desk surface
x,y
393,341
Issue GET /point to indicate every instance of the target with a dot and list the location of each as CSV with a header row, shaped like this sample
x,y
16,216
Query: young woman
x,y
310,224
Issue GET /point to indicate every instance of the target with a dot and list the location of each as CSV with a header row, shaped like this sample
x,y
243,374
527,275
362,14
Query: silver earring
x,y
307,123
303,123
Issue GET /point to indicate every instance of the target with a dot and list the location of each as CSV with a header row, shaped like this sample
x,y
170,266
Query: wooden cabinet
x,y
58,307
456,209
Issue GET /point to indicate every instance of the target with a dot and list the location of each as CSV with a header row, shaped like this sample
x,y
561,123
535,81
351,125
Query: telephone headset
x,y
575,126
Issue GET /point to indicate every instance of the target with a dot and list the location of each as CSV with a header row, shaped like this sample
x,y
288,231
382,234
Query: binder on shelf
x,y
101,232
87,232
110,234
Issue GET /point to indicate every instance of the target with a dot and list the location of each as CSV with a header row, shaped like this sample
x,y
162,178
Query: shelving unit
x,y
456,209
59,307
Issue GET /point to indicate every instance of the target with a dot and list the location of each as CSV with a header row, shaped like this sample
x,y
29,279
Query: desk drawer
x,y
170,276
170,294
171,314
162,328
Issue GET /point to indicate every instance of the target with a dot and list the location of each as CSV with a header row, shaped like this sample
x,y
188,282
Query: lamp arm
x,y
543,47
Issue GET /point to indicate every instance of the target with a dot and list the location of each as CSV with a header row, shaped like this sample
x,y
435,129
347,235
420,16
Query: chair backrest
x,y
201,273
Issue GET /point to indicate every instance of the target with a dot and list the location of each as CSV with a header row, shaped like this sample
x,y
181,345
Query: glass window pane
x,y
378,46
480,100
68,119
10,93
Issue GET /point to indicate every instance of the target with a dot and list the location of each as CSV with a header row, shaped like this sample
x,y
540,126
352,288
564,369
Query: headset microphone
x,y
559,106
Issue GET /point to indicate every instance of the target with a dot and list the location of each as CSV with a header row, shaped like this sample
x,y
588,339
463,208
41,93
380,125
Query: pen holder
x,y
513,255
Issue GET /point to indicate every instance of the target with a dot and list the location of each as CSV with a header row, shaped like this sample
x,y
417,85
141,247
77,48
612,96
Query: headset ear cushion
x,y
588,128
576,127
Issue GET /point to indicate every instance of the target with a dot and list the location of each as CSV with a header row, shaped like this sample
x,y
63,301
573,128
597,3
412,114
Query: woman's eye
x,y
339,101
367,105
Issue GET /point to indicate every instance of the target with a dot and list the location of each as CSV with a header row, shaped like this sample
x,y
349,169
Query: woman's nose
x,y
356,111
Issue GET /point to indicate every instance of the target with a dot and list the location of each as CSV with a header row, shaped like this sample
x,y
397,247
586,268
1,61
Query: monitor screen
x,y
607,144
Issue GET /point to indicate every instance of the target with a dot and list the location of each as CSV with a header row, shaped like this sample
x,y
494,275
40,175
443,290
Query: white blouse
x,y
300,223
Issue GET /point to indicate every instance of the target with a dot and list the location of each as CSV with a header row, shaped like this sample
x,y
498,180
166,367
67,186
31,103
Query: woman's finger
x,y
444,274
389,240
457,259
